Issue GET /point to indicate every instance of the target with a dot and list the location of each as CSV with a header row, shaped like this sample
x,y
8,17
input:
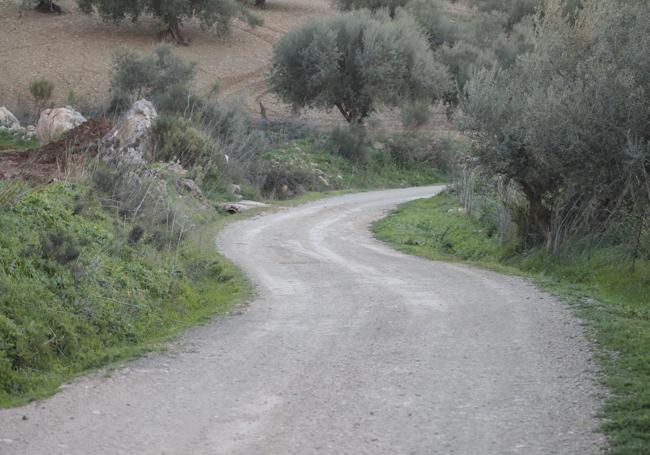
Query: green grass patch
x,y
605,291
78,289
9,142
310,163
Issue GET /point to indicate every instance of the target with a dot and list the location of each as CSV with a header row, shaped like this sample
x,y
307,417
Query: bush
x,y
59,246
355,61
373,5
415,115
174,139
162,77
463,60
514,10
435,21
41,90
352,143
409,149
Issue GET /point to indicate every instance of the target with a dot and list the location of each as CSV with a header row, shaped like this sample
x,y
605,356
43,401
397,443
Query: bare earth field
x,y
74,51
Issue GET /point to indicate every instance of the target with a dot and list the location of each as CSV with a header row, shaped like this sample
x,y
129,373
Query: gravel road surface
x,y
348,348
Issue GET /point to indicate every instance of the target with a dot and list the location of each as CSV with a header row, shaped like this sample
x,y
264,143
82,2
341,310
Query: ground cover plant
x,y
80,288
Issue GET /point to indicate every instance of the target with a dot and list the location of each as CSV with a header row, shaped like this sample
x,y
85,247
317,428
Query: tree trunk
x,y
48,6
174,31
539,214
351,115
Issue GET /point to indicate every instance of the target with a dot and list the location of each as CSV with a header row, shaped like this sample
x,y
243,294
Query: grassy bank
x,y
80,288
605,290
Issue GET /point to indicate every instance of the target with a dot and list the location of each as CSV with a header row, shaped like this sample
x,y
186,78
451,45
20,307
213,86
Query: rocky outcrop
x,y
130,140
53,123
8,120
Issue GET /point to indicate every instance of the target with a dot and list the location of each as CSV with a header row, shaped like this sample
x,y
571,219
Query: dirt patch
x,y
74,51
56,159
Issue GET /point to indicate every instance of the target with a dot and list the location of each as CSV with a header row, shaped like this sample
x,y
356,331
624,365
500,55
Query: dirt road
x,y
349,347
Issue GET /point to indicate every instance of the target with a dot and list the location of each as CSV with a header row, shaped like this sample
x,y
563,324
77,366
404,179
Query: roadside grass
x,y
10,142
302,160
603,288
77,293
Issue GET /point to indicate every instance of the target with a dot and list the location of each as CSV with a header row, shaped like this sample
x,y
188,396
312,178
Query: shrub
x,y
463,60
415,115
390,5
59,246
351,142
41,90
514,10
435,21
174,139
136,234
355,61
162,77
413,150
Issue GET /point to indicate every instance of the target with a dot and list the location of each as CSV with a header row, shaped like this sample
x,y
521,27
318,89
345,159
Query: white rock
x,y
7,119
241,206
130,139
54,122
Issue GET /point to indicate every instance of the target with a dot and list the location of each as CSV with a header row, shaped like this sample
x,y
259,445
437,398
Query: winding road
x,y
349,348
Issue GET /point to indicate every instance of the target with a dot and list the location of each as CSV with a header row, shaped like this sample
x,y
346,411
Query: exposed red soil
x,y
56,159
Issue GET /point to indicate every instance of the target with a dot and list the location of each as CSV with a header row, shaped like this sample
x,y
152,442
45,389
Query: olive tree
x,y
212,14
568,121
356,61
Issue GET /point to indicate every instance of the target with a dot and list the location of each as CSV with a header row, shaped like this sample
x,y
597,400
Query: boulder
x,y
130,139
241,206
234,189
190,186
54,122
7,119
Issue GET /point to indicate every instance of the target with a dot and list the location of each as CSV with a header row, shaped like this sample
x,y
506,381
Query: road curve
x,y
349,348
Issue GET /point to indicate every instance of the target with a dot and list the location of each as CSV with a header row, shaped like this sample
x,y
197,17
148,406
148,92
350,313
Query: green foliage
x,y
176,140
436,22
373,5
352,143
415,115
10,142
355,61
312,165
437,229
514,10
463,60
212,14
161,77
79,288
41,90
409,150
59,246
568,121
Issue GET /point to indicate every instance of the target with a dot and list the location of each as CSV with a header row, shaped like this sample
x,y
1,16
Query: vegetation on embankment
x,y
84,282
606,290
80,287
